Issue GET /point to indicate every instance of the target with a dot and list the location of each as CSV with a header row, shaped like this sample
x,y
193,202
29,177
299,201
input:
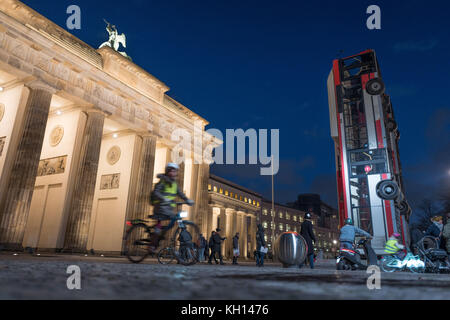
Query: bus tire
x,y
375,87
387,189
391,125
403,207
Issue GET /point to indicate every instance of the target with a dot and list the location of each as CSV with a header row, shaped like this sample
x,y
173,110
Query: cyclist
x,y
163,200
348,233
393,247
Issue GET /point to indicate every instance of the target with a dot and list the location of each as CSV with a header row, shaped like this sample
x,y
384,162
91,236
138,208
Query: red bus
x,y
365,134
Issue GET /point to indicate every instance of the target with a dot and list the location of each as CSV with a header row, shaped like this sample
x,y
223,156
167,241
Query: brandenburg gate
x,y
83,134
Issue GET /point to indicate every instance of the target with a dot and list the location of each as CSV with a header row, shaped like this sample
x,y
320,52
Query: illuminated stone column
x,y
233,225
240,229
77,229
223,222
253,235
141,185
16,201
244,236
180,177
228,244
146,164
201,208
215,214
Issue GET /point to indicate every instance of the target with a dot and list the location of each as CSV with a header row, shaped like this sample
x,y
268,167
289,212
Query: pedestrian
x,y
201,248
260,245
308,234
206,252
235,248
446,234
217,246
210,248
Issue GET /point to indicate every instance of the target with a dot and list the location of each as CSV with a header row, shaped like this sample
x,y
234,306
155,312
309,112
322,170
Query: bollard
x,y
290,249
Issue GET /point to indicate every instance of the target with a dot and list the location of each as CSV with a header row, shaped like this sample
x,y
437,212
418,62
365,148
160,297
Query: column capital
x,y
147,134
36,84
90,111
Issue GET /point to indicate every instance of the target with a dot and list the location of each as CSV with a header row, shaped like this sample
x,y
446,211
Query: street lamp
x,y
334,241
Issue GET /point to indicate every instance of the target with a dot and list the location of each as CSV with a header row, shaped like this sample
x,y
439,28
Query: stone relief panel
x,y
110,181
56,135
52,166
2,144
113,155
2,111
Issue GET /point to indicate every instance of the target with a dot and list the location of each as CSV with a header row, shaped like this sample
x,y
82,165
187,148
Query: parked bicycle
x,y
181,245
390,263
435,259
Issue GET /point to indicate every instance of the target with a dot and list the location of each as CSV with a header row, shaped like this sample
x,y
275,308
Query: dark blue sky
x,y
264,64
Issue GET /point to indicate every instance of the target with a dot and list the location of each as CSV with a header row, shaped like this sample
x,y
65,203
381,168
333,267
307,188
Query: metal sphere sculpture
x,y
291,249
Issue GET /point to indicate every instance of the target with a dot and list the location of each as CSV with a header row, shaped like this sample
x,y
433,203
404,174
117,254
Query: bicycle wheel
x,y
185,251
417,269
385,264
166,255
137,243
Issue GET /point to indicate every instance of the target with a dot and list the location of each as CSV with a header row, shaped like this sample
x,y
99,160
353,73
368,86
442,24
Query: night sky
x,y
264,64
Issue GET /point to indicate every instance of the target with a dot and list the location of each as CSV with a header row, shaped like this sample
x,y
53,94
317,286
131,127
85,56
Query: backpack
x,y
152,198
185,237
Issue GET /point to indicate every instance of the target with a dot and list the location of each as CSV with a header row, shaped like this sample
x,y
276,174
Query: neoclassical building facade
x,y
83,134
233,208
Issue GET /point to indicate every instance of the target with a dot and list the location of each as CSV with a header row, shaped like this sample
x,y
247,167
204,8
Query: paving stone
x,y
32,277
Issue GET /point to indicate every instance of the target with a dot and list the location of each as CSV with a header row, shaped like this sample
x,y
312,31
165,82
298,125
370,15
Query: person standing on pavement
x,y
235,248
201,248
210,248
217,240
308,234
260,242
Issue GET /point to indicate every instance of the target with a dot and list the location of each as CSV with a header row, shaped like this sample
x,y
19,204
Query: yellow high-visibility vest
x,y
169,192
391,247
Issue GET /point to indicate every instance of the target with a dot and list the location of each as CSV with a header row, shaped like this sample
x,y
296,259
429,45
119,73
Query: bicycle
x,y
140,235
390,263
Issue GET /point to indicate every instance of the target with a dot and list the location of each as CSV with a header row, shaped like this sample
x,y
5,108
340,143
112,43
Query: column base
x,y
11,247
74,251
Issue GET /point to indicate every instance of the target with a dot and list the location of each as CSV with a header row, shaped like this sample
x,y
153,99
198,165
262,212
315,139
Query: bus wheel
x,y
391,125
375,87
387,189
403,207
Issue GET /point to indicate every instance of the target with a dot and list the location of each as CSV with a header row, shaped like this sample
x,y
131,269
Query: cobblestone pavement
x,y
44,277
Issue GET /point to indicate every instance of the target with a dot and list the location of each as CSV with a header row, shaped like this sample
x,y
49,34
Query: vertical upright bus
x,y
368,171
